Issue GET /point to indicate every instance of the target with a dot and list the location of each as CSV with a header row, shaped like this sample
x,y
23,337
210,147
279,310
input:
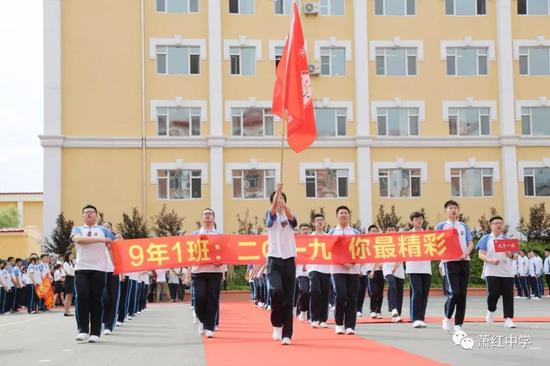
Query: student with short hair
x,y
281,264
457,270
346,279
420,278
90,273
319,280
498,273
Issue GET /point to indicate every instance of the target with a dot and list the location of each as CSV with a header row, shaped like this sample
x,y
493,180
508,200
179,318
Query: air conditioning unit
x,y
311,8
314,69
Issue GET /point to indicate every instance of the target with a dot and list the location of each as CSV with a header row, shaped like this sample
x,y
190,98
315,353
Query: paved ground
x,y
165,335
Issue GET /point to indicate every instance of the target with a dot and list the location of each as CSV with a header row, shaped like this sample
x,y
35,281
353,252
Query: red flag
x,y
292,97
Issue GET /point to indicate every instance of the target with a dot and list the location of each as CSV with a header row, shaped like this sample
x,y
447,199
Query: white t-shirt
x,y
34,274
321,268
523,266
68,268
280,234
173,275
300,272
366,268
464,234
207,268
25,279
134,276
418,267
387,268
344,268
161,275
547,265
57,275
504,268
93,256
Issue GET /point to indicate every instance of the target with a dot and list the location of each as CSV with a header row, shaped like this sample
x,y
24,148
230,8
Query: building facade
x,y
153,102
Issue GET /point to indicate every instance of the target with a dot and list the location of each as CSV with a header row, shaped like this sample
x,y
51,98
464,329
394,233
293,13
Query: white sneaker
x,y
131,317
278,333
350,331
201,329
359,314
107,332
93,339
518,297
303,316
378,316
323,325
315,324
458,328
508,323
417,324
535,298
446,324
119,324
373,315
261,304
424,325
82,337
490,317
209,334
339,329
547,296
396,319
269,307
285,341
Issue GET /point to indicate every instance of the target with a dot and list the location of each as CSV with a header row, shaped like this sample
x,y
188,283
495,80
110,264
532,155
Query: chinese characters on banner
x,y
506,245
182,251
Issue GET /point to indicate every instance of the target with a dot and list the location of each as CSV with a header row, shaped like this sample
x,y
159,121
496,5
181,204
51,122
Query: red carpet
x,y
436,320
244,338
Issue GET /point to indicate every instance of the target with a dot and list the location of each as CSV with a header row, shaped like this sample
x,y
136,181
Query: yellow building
x,y
152,102
27,238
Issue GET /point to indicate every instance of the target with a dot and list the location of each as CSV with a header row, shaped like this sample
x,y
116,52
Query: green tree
x,y
385,219
538,226
133,226
248,225
60,241
9,217
167,223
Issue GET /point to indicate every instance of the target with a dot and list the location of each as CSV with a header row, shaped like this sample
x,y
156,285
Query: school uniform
x,y
68,267
376,285
111,296
123,299
173,282
346,281
3,292
91,270
523,275
499,277
18,294
133,294
535,271
547,272
281,270
319,284
363,285
395,282
516,277
32,299
457,274
302,281
420,279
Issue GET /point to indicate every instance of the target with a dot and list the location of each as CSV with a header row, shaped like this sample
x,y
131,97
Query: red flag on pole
x,y
292,97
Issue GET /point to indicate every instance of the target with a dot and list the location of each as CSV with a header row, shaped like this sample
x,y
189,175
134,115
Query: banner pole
x,y
282,151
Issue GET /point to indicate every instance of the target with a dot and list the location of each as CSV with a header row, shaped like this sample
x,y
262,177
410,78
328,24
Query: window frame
x,y
453,174
339,174
479,56
266,194
167,116
188,11
476,4
191,55
239,6
414,53
532,181
240,60
480,122
339,112
166,178
405,8
385,173
524,58
331,57
329,6
241,116
526,7
409,116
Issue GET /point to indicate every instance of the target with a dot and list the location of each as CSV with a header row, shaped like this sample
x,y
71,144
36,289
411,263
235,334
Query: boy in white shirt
x,y
498,273
302,279
319,279
523,272
535,272
547,269
346,280
395,277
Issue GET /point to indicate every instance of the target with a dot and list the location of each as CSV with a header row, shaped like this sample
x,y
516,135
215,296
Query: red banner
x,y
182,251
506,245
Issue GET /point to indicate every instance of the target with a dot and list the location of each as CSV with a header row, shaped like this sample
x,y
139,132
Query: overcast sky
x,y
21,95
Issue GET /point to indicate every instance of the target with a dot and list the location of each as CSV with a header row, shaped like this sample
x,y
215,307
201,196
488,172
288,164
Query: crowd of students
x,y
104,301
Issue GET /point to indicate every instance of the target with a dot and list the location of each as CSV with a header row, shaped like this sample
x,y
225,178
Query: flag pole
x,y
282,150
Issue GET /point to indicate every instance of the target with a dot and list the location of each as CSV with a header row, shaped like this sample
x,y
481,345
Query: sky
x,y
21,95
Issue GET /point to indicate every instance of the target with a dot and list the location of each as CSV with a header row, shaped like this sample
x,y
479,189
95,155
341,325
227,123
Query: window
x,y
396,61
467,61
397,121
178,60
178,6
243,60
394,7
241,6
465,7
175,121
254,183
331,121
534,7
278,55
534,60
252,121
326,183
535,121
332,7
333,61
536,182
469,121
284,7
179,184
399,183
471,182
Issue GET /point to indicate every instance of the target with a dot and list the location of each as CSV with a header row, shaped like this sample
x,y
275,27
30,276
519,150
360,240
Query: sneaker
x,y
93,339
378,316
373,315
285,341
350,331
119,324
303,316
396,319
339,329
269,307
547,296
359,314
107,332
323,325
131,317
518,297
209,334
82,337
458,328
535,298
315,324
490,317
261,304
424,325
508,323
417,324
201,329
277,333
446,324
